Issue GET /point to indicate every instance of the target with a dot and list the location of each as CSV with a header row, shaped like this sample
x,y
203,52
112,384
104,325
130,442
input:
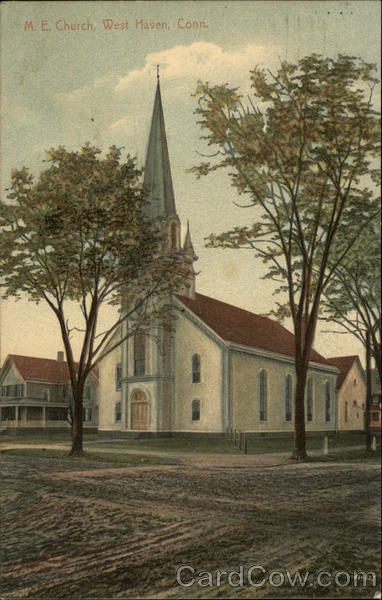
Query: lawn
x,y
124,459
178,445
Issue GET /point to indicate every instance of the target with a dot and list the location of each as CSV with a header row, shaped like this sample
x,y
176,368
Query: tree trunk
x,y
368,392
299,452
77,427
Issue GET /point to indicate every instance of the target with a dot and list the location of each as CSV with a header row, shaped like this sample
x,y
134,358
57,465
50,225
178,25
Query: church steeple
x,y
157,178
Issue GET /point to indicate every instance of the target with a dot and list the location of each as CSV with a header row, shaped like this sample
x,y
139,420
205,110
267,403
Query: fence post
x,y
326,445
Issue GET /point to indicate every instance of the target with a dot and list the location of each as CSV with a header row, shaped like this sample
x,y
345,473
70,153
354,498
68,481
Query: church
x,y
222,368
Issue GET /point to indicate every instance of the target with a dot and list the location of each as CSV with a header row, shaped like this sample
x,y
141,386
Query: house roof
x,y
32,368
344,364
240,326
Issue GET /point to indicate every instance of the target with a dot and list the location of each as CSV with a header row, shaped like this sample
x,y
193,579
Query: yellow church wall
x,y
190,340
245,395
108,394
352,392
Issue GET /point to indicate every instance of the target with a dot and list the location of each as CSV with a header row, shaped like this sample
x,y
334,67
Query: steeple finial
x,y
158,72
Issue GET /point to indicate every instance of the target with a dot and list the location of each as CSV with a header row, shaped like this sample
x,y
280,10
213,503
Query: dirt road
x,y
110,532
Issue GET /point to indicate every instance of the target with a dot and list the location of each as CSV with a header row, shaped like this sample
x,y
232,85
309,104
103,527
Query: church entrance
x,y
139,410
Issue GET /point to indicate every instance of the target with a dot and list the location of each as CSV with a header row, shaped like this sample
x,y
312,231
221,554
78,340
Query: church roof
x,y
157,178
240,326
32,368
344,364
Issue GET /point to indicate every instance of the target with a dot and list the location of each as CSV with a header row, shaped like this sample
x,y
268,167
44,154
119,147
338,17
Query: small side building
x,y
351,393
375,409
35,393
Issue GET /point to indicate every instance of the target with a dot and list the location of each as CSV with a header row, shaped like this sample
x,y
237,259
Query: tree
x,y
352,301
78,233
300,151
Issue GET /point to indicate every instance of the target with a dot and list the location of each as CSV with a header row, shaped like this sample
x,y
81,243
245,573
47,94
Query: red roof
x,y
32,368
344,364
234,324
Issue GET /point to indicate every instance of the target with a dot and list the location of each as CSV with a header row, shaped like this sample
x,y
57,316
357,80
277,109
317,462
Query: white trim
x,y
280,357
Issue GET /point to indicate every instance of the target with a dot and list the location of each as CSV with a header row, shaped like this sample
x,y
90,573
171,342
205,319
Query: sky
x,y
73,72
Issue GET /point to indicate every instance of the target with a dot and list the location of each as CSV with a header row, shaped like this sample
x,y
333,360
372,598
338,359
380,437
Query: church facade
x,y
221,368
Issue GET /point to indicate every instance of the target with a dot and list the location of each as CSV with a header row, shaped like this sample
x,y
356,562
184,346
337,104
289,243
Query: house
x,y
35,393
375,409
351,393
222,367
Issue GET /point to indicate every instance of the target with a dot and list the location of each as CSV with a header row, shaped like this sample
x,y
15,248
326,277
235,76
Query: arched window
x,y
196,368
309,400
173,236
118,376
195,410
327,401
288,398
139,353
263,394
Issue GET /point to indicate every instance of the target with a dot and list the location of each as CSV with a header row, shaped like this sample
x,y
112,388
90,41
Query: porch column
x,y
16,414
43,416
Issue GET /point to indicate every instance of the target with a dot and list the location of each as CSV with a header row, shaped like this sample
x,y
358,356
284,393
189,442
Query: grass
x,y
129,460
175,445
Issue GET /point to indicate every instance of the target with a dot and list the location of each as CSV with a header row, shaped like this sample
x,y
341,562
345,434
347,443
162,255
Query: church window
x,y
263,393
173,236
327,401
118,411
196,410
87,413
139,354
309,400
288,398
118,376
196,368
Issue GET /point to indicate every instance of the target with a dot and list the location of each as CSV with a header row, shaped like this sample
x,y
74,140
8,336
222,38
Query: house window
x,y
46,395
196,368
263,393
327,401
195,410
118,377
374,416
288,398
87,392
346,412
139,353
309,400
118,411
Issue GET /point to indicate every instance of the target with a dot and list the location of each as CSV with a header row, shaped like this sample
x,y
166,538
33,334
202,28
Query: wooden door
x,y
139,413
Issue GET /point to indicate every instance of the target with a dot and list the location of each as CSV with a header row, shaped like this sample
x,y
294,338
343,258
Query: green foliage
x,y
352,300
78,233
302,153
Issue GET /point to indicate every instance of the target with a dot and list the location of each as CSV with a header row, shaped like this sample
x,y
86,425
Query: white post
x,y
374,443
326,445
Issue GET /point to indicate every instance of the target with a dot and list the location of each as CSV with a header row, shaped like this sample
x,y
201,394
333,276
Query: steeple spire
x,y
157,179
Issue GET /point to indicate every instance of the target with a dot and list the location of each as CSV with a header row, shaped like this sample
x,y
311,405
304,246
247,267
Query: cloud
x,y
200,60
